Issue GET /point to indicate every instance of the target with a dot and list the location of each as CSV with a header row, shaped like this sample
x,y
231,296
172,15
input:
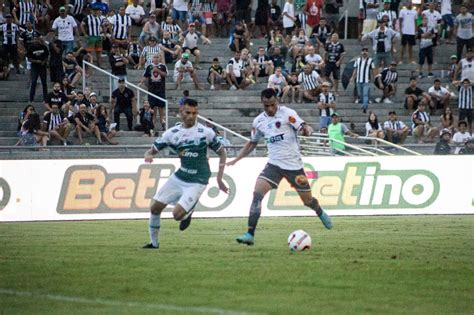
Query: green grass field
x,y
422,264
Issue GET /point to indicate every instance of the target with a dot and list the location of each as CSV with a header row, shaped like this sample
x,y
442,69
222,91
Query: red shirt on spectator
x,y
314,8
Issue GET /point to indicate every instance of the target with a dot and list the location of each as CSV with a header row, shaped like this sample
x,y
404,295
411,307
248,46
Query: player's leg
x,y
185,207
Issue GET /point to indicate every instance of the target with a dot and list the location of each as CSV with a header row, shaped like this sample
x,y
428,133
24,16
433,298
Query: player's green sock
x,y
255,210
154,229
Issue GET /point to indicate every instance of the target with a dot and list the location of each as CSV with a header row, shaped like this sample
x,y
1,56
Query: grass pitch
x,y
422,264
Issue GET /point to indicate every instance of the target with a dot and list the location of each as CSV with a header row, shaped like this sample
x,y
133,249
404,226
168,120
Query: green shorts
x,y
94,43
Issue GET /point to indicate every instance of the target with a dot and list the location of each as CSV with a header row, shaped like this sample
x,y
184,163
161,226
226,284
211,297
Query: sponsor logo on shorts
x,y
301,180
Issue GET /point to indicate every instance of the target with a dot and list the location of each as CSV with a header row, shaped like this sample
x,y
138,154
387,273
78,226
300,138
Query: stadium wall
x,y
122,189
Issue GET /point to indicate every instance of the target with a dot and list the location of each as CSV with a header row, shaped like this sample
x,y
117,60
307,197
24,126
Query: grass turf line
x,y
366,264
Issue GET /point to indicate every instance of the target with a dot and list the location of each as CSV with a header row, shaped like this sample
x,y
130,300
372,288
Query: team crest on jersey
x,y
200,130
301,180
278,124
292,119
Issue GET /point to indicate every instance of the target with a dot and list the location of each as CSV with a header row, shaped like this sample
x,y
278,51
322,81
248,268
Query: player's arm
x,y
246,150
150,153
222,159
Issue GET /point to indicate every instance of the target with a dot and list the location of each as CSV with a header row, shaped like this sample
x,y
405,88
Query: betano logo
x,y
91,189
362,185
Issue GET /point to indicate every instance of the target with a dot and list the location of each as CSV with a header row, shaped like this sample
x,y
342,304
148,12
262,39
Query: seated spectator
x,y
311,81
55,97
151,29
326,106
277,82
170,25
81,54
4,65
78,100
31,133
294,87
146,125
447,119
278,59
123,101
67,89
103,124
72,70
373,128
93,103
277,40
264,66
24,115
235,75
462,136
297,43
184,72
468,147
216,74
395,130
134,52
240,38
452,68
136,13
442,147
57,124
414,95
387,82
86,125
190,40
320,34
440,96
169,47
315,60
298,64
423,130
249,65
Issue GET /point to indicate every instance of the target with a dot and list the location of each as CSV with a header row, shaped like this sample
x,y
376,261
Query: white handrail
x,y
346,22
224,128
111,76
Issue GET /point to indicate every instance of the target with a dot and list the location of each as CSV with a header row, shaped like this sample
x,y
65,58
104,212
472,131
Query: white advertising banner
x,y
32,190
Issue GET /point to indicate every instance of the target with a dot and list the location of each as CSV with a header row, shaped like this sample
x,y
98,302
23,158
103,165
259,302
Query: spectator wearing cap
x,y
463,29
337,131
395,130
92,29
184,72
151,29
190,39
440,96
387,82
365,70
442,147
66,27
136,13
10,41
123,101
326,105
148,52
382,39
38,55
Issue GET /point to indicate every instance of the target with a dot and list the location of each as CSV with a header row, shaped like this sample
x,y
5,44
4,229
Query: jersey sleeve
x,y
163,141
213,141
294,119
256,133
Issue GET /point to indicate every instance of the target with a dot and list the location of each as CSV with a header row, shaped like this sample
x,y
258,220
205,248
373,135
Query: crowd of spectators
x,y
302,60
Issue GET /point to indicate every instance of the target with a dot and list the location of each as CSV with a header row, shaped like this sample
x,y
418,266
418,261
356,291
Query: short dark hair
x,y
437,80
186,93
268,93
191,102
466,80
412,79
392,112
462,122
215,59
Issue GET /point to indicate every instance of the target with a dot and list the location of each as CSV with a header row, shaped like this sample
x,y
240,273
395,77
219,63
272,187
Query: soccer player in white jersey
x,y
278,125
190,140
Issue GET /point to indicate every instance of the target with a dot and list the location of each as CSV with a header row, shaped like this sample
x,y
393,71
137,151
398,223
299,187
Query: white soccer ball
x,y
299,240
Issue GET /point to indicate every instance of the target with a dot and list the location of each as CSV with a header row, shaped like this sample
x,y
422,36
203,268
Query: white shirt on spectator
x,y
135,12
180,5
276,82
191,40
368,128
464,25
446,7
460,138
409,19
65,27
313,59
440,93
236,67
289,8
179,64
433,19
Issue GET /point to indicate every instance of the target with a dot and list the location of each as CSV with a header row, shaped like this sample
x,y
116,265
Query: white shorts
x,y
186,78
177,191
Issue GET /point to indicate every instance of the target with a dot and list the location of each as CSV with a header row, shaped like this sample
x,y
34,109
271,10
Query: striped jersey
x,y
174,29
363,69
25,11
10,33
191,146
388,76
121,24
52,120
395,125
309,81
280,134
77,6
326,99
93,25
423,116
392,16
465,98
148,52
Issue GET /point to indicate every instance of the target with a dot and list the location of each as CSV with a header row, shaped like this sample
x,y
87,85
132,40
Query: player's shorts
x,y
274,174
408,40
175,191
332,68
94,43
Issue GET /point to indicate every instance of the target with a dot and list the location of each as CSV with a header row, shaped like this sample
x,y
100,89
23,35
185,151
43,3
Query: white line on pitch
x,y
166,307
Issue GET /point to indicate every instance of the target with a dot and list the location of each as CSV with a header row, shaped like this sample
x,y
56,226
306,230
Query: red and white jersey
x,y
280,134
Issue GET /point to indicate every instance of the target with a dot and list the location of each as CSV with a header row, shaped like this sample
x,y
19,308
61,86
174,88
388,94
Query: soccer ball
x,y
299,240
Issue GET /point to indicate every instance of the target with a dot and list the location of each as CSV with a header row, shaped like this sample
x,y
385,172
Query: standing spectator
x,y
369,9
387,82
235,76
326,106
146,120
264,64
448,19
180,12
26,39
408,29
463,29
466,67
278,82
149,52
216,74
434,19
275,14
440,96
289,18
190,40
447,119
262,17
362,76
242,11
426,35
373,128
23,12
382,39
334,56
160,9
151,29
311,82
195,14
184,72
86,125
77,8
71,69
169,47
136,13
414,95
313,10
121,24
10,41
56,96
391,15
422,126
462,136
103,124
396,130
332,13
465,102
118,65
442,147
91,27
337,131
38,56
123,101
57,124
66,27
155,74
452,68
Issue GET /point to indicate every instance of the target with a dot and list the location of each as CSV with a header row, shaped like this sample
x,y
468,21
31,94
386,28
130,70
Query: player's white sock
x,y
154,229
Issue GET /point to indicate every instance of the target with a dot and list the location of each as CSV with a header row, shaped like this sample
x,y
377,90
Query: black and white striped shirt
x,y
93,25
465,98
423,116
148,52
53,120
392,16
309,81
326,99
26,10
77,6
363,68
174,29
389,77
121,24
10,33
